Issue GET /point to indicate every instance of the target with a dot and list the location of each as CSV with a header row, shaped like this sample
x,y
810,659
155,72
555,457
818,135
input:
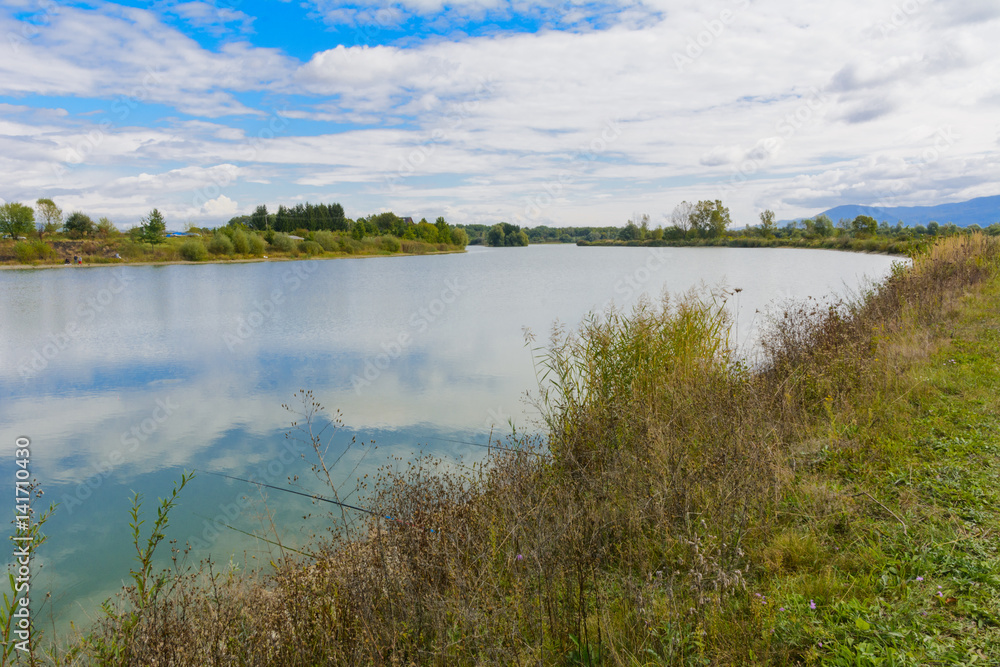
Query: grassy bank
x,y
833,503
237,246
883,244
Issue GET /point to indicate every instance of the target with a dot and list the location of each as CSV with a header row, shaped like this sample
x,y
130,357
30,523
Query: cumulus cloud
x,y
221,206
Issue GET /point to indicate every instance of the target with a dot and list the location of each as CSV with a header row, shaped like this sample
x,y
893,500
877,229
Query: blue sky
x,y
558,113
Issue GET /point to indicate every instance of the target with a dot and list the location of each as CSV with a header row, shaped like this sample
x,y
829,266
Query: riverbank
x,y
835,502
877,244
246,260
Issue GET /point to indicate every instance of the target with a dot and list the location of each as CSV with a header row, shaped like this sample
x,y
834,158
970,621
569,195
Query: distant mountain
x,y
982,211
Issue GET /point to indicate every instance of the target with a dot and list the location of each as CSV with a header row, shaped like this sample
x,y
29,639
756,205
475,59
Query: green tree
x,y
16,220
823,225
106,228
864,225
710,218
49,215
259,219
495,237
444,229
767,225
630,232
79,224
459,237
153,228
358,231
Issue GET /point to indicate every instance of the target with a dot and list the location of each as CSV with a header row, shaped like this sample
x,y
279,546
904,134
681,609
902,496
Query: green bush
x,y
390,243
310,248
132,250
282,242
241,243
29,251
326,239
460,238
193,250
221,245
348,245
257,245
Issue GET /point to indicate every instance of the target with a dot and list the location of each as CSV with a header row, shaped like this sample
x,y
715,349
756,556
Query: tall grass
x,y
633,533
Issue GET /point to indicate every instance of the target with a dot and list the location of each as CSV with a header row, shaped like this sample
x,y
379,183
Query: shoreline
x,y
248,260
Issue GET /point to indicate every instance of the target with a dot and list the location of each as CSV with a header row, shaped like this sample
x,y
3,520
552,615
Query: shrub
x,y
349,245
257,245
282,242
132,250
29,251
390,244
221,245
414,247
326,239
193,250
241,243
310,248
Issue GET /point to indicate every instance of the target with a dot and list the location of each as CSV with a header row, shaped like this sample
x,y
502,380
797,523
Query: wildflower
x,y
940,594
781,609
812,605
920,578
520,557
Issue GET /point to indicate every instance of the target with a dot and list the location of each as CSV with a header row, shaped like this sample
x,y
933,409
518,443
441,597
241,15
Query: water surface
x,y
123,377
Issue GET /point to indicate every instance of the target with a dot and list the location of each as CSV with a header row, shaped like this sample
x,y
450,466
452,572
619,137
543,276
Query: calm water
x,y
123,377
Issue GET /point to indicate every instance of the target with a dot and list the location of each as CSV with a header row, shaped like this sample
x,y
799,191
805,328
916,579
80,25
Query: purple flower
x,y
781,609
812,605
920,578
520,557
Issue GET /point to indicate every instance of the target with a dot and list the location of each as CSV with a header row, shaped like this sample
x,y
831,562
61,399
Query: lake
x,y
124,377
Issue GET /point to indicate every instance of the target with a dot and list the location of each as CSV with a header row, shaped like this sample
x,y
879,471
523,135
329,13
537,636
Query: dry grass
x,y
627,536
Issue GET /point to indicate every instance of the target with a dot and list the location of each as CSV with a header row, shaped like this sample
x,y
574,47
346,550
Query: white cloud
x,y
798,104
221,206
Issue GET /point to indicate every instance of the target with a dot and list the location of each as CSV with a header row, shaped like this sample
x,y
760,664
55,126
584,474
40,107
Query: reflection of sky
x,y
438,342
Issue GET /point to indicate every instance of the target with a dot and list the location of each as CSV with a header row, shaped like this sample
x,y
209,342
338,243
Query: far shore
x,y
94,265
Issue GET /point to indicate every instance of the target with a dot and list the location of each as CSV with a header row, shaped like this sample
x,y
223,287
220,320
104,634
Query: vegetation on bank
x,y
833,502
77,238
708,222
